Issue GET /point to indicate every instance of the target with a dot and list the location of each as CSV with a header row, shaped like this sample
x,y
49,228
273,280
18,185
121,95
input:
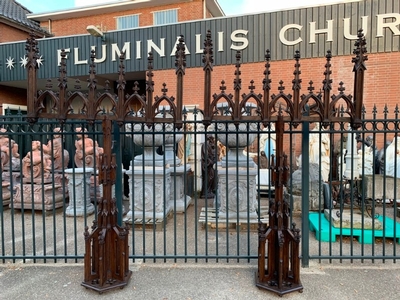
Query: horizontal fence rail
x,y
187,197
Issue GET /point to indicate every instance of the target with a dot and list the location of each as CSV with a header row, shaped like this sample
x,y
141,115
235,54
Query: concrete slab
x,y
346,219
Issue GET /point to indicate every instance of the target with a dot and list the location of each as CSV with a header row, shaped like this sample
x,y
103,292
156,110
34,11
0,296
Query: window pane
x,y
165,17
126,22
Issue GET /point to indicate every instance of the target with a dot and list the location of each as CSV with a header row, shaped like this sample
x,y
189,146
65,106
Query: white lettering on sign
x,y
282,37
67,50
116,52
103,54
174,48
160,50
346,28
289,35
239,40
328,31
382,23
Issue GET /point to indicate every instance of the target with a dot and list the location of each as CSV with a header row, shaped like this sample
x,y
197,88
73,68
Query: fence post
x,y
305,179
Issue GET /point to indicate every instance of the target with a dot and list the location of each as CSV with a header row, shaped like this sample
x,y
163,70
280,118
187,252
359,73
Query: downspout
x,y
49,25
204,9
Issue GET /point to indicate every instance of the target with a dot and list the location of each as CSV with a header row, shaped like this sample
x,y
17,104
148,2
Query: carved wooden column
x,y
282,274
107,253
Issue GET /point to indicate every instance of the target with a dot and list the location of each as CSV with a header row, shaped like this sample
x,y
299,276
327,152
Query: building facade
x,y
15,26
130,27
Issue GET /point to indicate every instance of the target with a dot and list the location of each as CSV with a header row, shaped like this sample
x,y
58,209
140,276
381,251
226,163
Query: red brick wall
x,y
11,95
11,34
186,11
380,87
381,78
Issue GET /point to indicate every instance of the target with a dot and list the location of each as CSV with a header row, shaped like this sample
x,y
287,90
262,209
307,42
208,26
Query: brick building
x,y
141,26
15,26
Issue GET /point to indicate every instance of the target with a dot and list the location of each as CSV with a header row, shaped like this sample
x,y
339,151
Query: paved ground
x,y
200,281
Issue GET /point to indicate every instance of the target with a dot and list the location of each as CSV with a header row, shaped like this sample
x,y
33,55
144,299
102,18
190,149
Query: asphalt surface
x,y
200,281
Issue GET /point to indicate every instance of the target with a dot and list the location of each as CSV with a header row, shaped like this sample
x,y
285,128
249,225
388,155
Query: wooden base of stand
x,y
272,286
108,286
282,275
106,259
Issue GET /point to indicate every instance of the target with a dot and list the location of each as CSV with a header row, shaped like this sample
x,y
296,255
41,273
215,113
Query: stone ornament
x,y
36,165
8,151
87,151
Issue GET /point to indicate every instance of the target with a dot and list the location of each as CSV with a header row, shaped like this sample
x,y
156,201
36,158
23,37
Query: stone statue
x,y
54,148
36,164
264,164
9,151
392,158
221,150
208,160
366,161
366,157
87,151
182,152
268,141
320,147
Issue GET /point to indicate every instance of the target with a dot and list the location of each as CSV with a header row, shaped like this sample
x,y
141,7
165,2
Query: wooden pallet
x,y
157,224
208,217
325,232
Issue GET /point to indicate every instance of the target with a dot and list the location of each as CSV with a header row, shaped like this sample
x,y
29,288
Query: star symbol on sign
x,y
24,61
10,63
40,61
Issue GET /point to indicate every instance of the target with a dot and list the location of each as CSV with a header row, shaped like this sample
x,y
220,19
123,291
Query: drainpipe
x,y
204,9
49,25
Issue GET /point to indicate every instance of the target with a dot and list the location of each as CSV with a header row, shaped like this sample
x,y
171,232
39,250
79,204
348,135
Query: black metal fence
x,y
196,200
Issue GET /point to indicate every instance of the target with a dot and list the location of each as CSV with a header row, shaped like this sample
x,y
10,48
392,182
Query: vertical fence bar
x,y
305,176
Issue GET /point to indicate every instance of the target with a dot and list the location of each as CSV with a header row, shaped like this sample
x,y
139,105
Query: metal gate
x,y
184,182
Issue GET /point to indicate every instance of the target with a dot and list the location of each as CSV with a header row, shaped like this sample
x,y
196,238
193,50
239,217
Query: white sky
x,y
230,7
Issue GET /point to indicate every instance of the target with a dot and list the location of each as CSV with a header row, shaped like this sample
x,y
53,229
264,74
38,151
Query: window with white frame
x,y
13,109
165,16
126,22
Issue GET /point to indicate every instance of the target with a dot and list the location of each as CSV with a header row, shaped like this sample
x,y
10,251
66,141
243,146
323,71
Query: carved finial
x,y
311,88
237,83
296,81
251,86
341,87
135,87
164,90
222,87
121,73
180,61
49,84
267,71
208,58
281,87
33,50
327,82
92,71
360,51
62,80
150,74
107,86
77,85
